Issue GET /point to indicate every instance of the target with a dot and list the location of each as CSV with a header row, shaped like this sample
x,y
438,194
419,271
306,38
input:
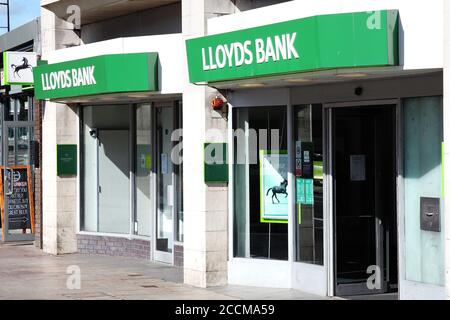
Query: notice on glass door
x,y
357,167
164,163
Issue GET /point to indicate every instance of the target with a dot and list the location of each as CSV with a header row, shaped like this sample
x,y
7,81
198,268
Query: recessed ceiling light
x,y
138,96
252,85
298,80
353,75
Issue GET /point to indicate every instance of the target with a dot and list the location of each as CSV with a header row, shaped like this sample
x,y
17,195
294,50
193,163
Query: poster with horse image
x,y
273,186
18,67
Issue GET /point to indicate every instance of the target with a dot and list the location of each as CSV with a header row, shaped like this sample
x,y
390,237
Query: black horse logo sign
x,y
24,66
281,189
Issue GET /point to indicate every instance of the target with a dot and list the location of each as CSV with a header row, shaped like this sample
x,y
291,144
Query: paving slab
x,y
26,273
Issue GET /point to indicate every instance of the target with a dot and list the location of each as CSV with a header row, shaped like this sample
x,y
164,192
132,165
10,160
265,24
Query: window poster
x,y
300,190
307,166
164,163
358,167
304,191
304,159
274,186
318,170
145,160
298,149
298,158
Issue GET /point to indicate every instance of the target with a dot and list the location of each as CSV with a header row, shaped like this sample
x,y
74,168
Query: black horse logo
x,y
281,189
23,66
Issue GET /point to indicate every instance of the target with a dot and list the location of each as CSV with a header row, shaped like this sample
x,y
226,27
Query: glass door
x,y
165,178
113,181
364,172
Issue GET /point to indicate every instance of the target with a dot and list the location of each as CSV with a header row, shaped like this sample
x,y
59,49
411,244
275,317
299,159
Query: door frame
x,y
161,256
329,182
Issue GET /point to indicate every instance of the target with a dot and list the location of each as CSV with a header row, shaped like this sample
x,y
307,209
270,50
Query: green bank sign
x,y
116,73
363,39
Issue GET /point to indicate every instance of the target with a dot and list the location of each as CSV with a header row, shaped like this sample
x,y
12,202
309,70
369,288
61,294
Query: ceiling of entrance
x,y
356,75
93,11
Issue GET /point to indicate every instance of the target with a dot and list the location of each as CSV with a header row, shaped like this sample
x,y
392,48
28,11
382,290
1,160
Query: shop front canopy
x,y
115,75
349,41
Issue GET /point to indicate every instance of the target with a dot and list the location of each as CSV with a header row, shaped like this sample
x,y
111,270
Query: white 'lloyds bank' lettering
x,y
260,50
76,77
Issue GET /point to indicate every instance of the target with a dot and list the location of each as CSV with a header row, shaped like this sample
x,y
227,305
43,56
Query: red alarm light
x,y
217,103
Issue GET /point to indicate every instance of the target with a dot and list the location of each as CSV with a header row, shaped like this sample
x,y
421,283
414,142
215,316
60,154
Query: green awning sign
x,y
363,39
115,73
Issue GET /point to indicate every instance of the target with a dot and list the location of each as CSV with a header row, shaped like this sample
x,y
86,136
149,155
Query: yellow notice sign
x,y
148,161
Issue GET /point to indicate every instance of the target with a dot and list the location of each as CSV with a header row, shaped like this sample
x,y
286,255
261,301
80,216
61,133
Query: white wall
x,y
170,49
421,28
162,20
59,126
205,205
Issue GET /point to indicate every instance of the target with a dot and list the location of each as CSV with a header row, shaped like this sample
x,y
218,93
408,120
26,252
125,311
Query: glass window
x,y
423,136
260,183
23,137
106,164
308,183
143,169
8,109
23,108
19,108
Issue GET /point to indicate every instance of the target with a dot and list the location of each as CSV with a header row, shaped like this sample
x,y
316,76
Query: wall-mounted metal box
x,y
430,214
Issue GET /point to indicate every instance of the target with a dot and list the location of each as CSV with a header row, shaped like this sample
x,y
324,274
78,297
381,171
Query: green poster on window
x,y
148,161
299,210
305,191
300,189
318,170
309,191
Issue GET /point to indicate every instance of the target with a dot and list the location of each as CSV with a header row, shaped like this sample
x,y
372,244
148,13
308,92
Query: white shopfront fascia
x,y
310,278
420,58
169,47
170,50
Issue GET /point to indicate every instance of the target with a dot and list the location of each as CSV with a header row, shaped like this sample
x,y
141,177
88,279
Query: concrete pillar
x,y
447,143
205,206
59,126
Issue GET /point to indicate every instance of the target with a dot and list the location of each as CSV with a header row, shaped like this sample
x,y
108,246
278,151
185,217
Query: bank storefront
x,y
335,151
128,108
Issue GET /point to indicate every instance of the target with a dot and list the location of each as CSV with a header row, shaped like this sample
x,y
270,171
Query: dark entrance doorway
x,y
365,224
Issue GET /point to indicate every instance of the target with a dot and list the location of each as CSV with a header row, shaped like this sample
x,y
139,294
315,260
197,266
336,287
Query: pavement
x,y
26,273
